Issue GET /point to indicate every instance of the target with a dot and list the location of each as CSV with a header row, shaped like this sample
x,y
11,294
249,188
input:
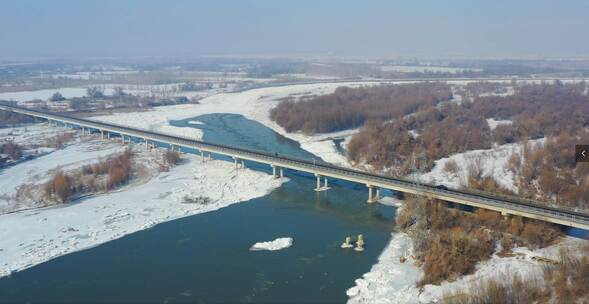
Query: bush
x,y
453,254
451,167
510,290
171,158
14,151
57,97
61,187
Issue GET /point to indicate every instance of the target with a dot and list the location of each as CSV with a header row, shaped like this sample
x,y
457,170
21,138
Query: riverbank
x,y
253,104
35,236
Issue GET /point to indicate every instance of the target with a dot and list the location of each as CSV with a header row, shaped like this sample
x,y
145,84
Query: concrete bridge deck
x,y
501,203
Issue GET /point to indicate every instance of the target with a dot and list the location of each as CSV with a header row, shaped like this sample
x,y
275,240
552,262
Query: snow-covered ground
x,y
253,104
495,123
492,162
390,281
38,170
30,134
44,94
35,236
277,244
425,68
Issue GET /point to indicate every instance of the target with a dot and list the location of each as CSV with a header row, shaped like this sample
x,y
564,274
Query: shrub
x,y
509,290
60,186
171,158
14,151
453,254
451,167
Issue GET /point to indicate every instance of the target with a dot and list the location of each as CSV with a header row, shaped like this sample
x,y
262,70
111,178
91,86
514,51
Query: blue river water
x,y
205,258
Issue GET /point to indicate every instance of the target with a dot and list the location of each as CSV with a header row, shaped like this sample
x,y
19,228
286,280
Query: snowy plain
x,y
39,170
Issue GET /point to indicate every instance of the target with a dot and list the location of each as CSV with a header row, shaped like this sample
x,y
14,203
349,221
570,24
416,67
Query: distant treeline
x,y
351,107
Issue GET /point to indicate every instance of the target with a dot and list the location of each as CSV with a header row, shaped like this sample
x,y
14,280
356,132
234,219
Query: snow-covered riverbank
x,y
253,104
35,236
20,184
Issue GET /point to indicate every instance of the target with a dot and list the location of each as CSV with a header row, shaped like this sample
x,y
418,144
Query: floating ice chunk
x,y
277,244
195,122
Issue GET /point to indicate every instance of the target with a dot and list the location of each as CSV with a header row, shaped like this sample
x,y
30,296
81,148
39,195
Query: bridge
x,y
507,205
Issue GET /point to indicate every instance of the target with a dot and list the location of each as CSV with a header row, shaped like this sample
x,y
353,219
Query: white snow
x,y
37,171
425,68
277,244
493,162
494,123
43,94
35,236
253,104
30,134
389,280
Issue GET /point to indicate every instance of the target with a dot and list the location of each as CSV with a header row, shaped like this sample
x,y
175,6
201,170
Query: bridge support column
x,y
371,198
108,135
242,164
202,156
102,135
280,172
325,186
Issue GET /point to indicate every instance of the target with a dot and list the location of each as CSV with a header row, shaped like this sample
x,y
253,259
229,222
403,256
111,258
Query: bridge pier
x,y
239,163
325,186
280,172
371,198
202,155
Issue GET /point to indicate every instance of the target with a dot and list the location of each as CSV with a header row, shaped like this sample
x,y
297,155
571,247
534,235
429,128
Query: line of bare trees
x,y
103,176
351,107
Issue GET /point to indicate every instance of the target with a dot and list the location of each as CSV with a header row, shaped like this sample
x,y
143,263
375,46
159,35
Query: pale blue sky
x,y
467,28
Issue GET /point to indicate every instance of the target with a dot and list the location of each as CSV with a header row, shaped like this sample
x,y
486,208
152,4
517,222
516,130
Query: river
x,y
205,258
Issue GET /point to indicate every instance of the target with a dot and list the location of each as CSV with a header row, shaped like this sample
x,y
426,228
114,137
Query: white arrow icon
x,y
583,153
